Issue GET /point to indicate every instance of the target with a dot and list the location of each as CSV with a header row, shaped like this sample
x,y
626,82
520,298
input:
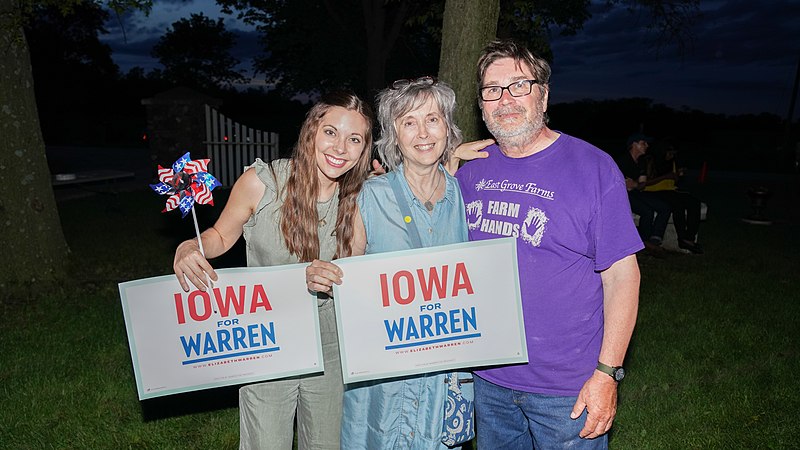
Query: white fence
x,y
232,146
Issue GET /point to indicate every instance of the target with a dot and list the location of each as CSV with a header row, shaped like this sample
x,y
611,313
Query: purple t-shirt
x,y
568,208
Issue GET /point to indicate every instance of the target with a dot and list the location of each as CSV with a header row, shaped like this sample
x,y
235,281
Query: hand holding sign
x,y
430,309
260,323
322,275
191,264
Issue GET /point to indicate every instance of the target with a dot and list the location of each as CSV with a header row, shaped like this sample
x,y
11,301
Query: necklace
x,y
427,203
322,220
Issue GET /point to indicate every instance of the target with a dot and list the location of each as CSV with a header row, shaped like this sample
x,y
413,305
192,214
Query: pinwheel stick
x,y
209,283
197,231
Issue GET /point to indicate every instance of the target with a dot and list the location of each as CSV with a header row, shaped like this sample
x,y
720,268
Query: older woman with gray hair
x,y
416,204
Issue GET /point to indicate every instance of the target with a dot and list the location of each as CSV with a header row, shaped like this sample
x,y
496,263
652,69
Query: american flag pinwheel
x,y
187,182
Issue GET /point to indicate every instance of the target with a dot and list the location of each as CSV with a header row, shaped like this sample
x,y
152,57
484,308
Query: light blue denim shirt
x,y
407,412
386,230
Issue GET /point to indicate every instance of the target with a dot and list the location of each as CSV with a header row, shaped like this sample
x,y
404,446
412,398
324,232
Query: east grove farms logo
x,y
432,322
231,338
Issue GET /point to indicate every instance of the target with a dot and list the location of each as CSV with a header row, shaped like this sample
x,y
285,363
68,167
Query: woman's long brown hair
x,y
299,218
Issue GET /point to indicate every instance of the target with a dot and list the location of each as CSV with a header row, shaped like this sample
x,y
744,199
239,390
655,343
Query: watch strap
x,y
616,373
606,369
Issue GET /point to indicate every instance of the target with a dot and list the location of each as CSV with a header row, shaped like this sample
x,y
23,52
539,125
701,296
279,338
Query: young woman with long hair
x,y
295,210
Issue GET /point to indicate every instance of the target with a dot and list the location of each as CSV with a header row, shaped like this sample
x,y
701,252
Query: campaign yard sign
x,y
257,323
430,309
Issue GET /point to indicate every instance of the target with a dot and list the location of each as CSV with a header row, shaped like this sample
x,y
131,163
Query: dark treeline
x,y
80,106
111,113
84,99
735,142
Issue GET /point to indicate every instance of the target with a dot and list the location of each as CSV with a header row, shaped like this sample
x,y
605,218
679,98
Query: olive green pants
x,y
267,410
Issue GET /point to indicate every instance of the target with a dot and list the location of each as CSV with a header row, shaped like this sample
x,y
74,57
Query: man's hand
x,y
599,397
377,168
468,151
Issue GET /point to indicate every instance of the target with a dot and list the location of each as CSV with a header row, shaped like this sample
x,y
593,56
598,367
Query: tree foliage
x,y
671,21
70,42
197,52
532,21
315,46
72,70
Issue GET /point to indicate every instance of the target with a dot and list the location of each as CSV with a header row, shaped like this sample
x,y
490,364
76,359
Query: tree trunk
x,y
33,244
467,27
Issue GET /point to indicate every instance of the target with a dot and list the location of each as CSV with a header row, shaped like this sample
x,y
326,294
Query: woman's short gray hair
x,y
394,102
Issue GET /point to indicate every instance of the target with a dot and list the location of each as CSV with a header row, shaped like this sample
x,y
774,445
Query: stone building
x,y
176,123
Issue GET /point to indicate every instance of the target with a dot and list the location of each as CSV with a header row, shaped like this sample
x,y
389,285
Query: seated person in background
x,y
662,175
653,212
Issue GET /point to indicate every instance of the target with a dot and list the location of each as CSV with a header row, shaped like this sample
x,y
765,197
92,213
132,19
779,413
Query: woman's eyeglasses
x,y
425,81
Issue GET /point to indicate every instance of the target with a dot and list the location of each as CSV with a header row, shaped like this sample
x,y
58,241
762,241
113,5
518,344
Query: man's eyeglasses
x,y
426,81
519,88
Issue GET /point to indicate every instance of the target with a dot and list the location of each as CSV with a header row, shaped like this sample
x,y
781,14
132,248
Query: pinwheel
x,y
187,182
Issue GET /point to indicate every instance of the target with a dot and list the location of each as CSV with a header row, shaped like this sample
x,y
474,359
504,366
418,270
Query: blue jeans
x,y
510,420
653,214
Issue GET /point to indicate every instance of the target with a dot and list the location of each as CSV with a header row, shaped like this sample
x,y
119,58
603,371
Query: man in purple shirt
x,y
565,201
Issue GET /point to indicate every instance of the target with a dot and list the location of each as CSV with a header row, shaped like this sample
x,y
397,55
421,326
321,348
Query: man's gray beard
x,y
520,136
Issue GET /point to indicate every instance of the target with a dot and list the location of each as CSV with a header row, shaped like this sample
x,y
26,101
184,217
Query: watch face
x,y
619,374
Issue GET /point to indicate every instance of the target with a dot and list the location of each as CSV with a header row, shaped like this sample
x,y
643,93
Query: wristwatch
x,y
617,373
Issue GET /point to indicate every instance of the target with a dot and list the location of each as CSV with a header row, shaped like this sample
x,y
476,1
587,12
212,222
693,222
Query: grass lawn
x,y
713,362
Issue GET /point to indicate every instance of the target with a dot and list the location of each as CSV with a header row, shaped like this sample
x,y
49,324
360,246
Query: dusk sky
x,y
743,58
